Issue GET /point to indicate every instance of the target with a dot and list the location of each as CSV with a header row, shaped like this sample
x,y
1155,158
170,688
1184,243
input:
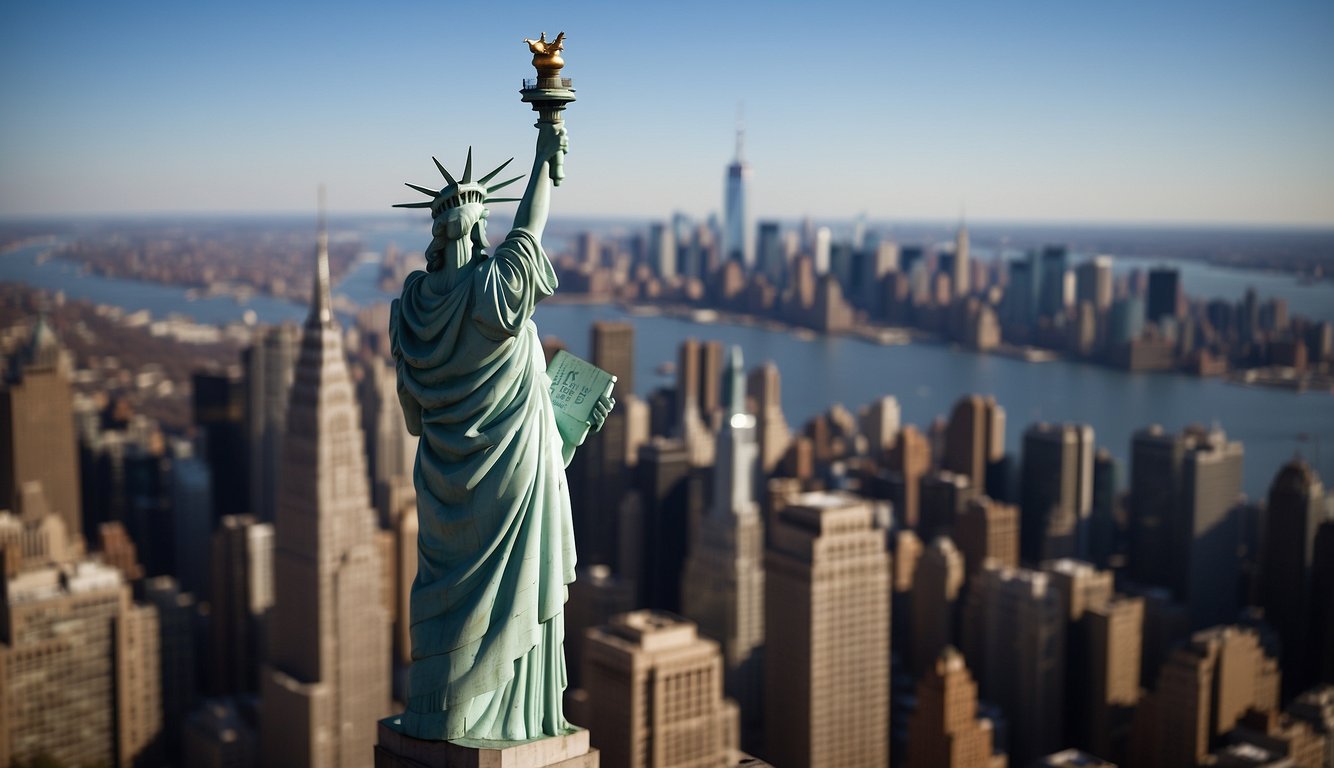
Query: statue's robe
x,y
496,541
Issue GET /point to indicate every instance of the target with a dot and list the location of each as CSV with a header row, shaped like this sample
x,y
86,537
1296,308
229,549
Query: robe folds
x,y
496,540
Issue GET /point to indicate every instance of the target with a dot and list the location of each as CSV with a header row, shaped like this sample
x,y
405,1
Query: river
x,y
817,372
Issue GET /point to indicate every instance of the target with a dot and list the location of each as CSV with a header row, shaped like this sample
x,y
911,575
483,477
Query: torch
x,y
549,92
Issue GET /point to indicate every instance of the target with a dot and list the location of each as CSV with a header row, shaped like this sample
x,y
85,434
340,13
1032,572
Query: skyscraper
x,y
240,596
944,730
1164,293
738,244
268,364
656,694
1110,641
935,596
326,683
826,674
771,253
1014,635
598,474
974,438
723,586
1184,527
73,652
880,424
662,250
37,440
1093,282
1057,491
988,530
1295,511
962,265
1203,689
1051,285
668,491
764,385
909,460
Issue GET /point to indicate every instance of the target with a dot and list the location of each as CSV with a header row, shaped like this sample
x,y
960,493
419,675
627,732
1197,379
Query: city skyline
x,y
1045,112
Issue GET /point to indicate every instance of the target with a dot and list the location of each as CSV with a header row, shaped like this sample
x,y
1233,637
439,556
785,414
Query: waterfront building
x,y
1057,491
1126,321
738,242
1051,281
1093,283
771,253
327,678
826,676
37,438
662,250
820,251
961,271
974,438
655,694
1164,299
1296,509
1184,525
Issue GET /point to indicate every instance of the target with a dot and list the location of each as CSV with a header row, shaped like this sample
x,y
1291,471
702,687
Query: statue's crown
x,y
461,192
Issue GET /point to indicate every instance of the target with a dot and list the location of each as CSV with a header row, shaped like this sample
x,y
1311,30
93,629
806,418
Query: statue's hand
x,y
601,409
552,141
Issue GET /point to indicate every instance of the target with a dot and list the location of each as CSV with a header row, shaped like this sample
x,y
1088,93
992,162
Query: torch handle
x,y
556,167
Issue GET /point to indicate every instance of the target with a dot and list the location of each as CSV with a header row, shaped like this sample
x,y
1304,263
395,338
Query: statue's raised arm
x,y
552,143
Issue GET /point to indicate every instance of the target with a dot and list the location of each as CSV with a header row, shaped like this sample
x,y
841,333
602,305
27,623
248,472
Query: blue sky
x,y
1154,112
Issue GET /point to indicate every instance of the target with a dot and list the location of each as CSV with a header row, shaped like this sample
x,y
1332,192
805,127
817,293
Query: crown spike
x,y
423,190
492,174
503,184
426,204
443,172
467,169
503,199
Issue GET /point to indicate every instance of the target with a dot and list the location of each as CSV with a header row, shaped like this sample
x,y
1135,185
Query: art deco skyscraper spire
x,y
327,679
723,583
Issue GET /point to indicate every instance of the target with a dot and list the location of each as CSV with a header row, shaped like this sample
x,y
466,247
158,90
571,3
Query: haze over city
x,y
1130,112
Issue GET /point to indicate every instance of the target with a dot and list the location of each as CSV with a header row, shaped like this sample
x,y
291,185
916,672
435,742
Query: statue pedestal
x,y
398,750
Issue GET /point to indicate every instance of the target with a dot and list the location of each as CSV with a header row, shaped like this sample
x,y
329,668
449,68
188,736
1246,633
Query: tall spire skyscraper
x,y
723,583
963,268
738,243
327,679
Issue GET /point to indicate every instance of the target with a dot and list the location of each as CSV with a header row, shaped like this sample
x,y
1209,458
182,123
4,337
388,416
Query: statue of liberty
x,y
496,542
